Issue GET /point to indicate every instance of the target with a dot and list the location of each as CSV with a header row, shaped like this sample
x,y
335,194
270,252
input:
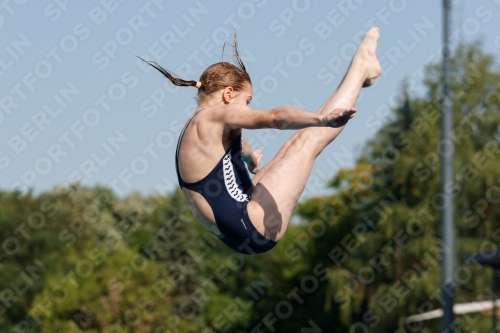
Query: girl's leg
x,y
344,97
280,184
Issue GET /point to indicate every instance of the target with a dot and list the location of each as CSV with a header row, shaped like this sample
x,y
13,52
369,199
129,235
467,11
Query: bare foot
x,y
366,54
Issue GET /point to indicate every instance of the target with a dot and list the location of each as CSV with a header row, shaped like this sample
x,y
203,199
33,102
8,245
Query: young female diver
x,y
251,215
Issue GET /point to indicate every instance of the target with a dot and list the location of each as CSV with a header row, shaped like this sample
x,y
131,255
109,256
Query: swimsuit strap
x,y
181,136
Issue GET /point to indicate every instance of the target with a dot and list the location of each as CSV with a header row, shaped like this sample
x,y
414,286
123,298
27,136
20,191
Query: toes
x,y
374,32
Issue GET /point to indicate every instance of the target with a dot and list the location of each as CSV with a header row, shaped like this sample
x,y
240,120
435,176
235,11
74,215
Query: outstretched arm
x,y
283,117
292,118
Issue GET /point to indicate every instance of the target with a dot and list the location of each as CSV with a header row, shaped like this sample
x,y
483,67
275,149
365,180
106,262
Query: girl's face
x,y
238,97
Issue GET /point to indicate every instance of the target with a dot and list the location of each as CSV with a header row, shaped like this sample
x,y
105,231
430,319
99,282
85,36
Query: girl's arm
x,y
283,117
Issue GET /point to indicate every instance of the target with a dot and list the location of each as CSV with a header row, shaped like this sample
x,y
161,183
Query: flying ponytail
x,y
216,77
174,79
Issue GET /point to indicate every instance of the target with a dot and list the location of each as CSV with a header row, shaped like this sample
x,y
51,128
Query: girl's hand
x,y
338,117
256,158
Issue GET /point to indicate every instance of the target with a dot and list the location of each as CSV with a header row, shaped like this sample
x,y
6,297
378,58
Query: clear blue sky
x,y
76,105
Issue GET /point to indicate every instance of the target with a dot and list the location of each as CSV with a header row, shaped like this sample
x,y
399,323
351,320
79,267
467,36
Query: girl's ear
x,y
227,94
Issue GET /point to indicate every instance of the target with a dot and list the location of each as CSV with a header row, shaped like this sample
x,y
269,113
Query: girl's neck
x,y
212,102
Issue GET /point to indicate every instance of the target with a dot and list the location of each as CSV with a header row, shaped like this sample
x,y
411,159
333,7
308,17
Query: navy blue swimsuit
x,y
227,188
